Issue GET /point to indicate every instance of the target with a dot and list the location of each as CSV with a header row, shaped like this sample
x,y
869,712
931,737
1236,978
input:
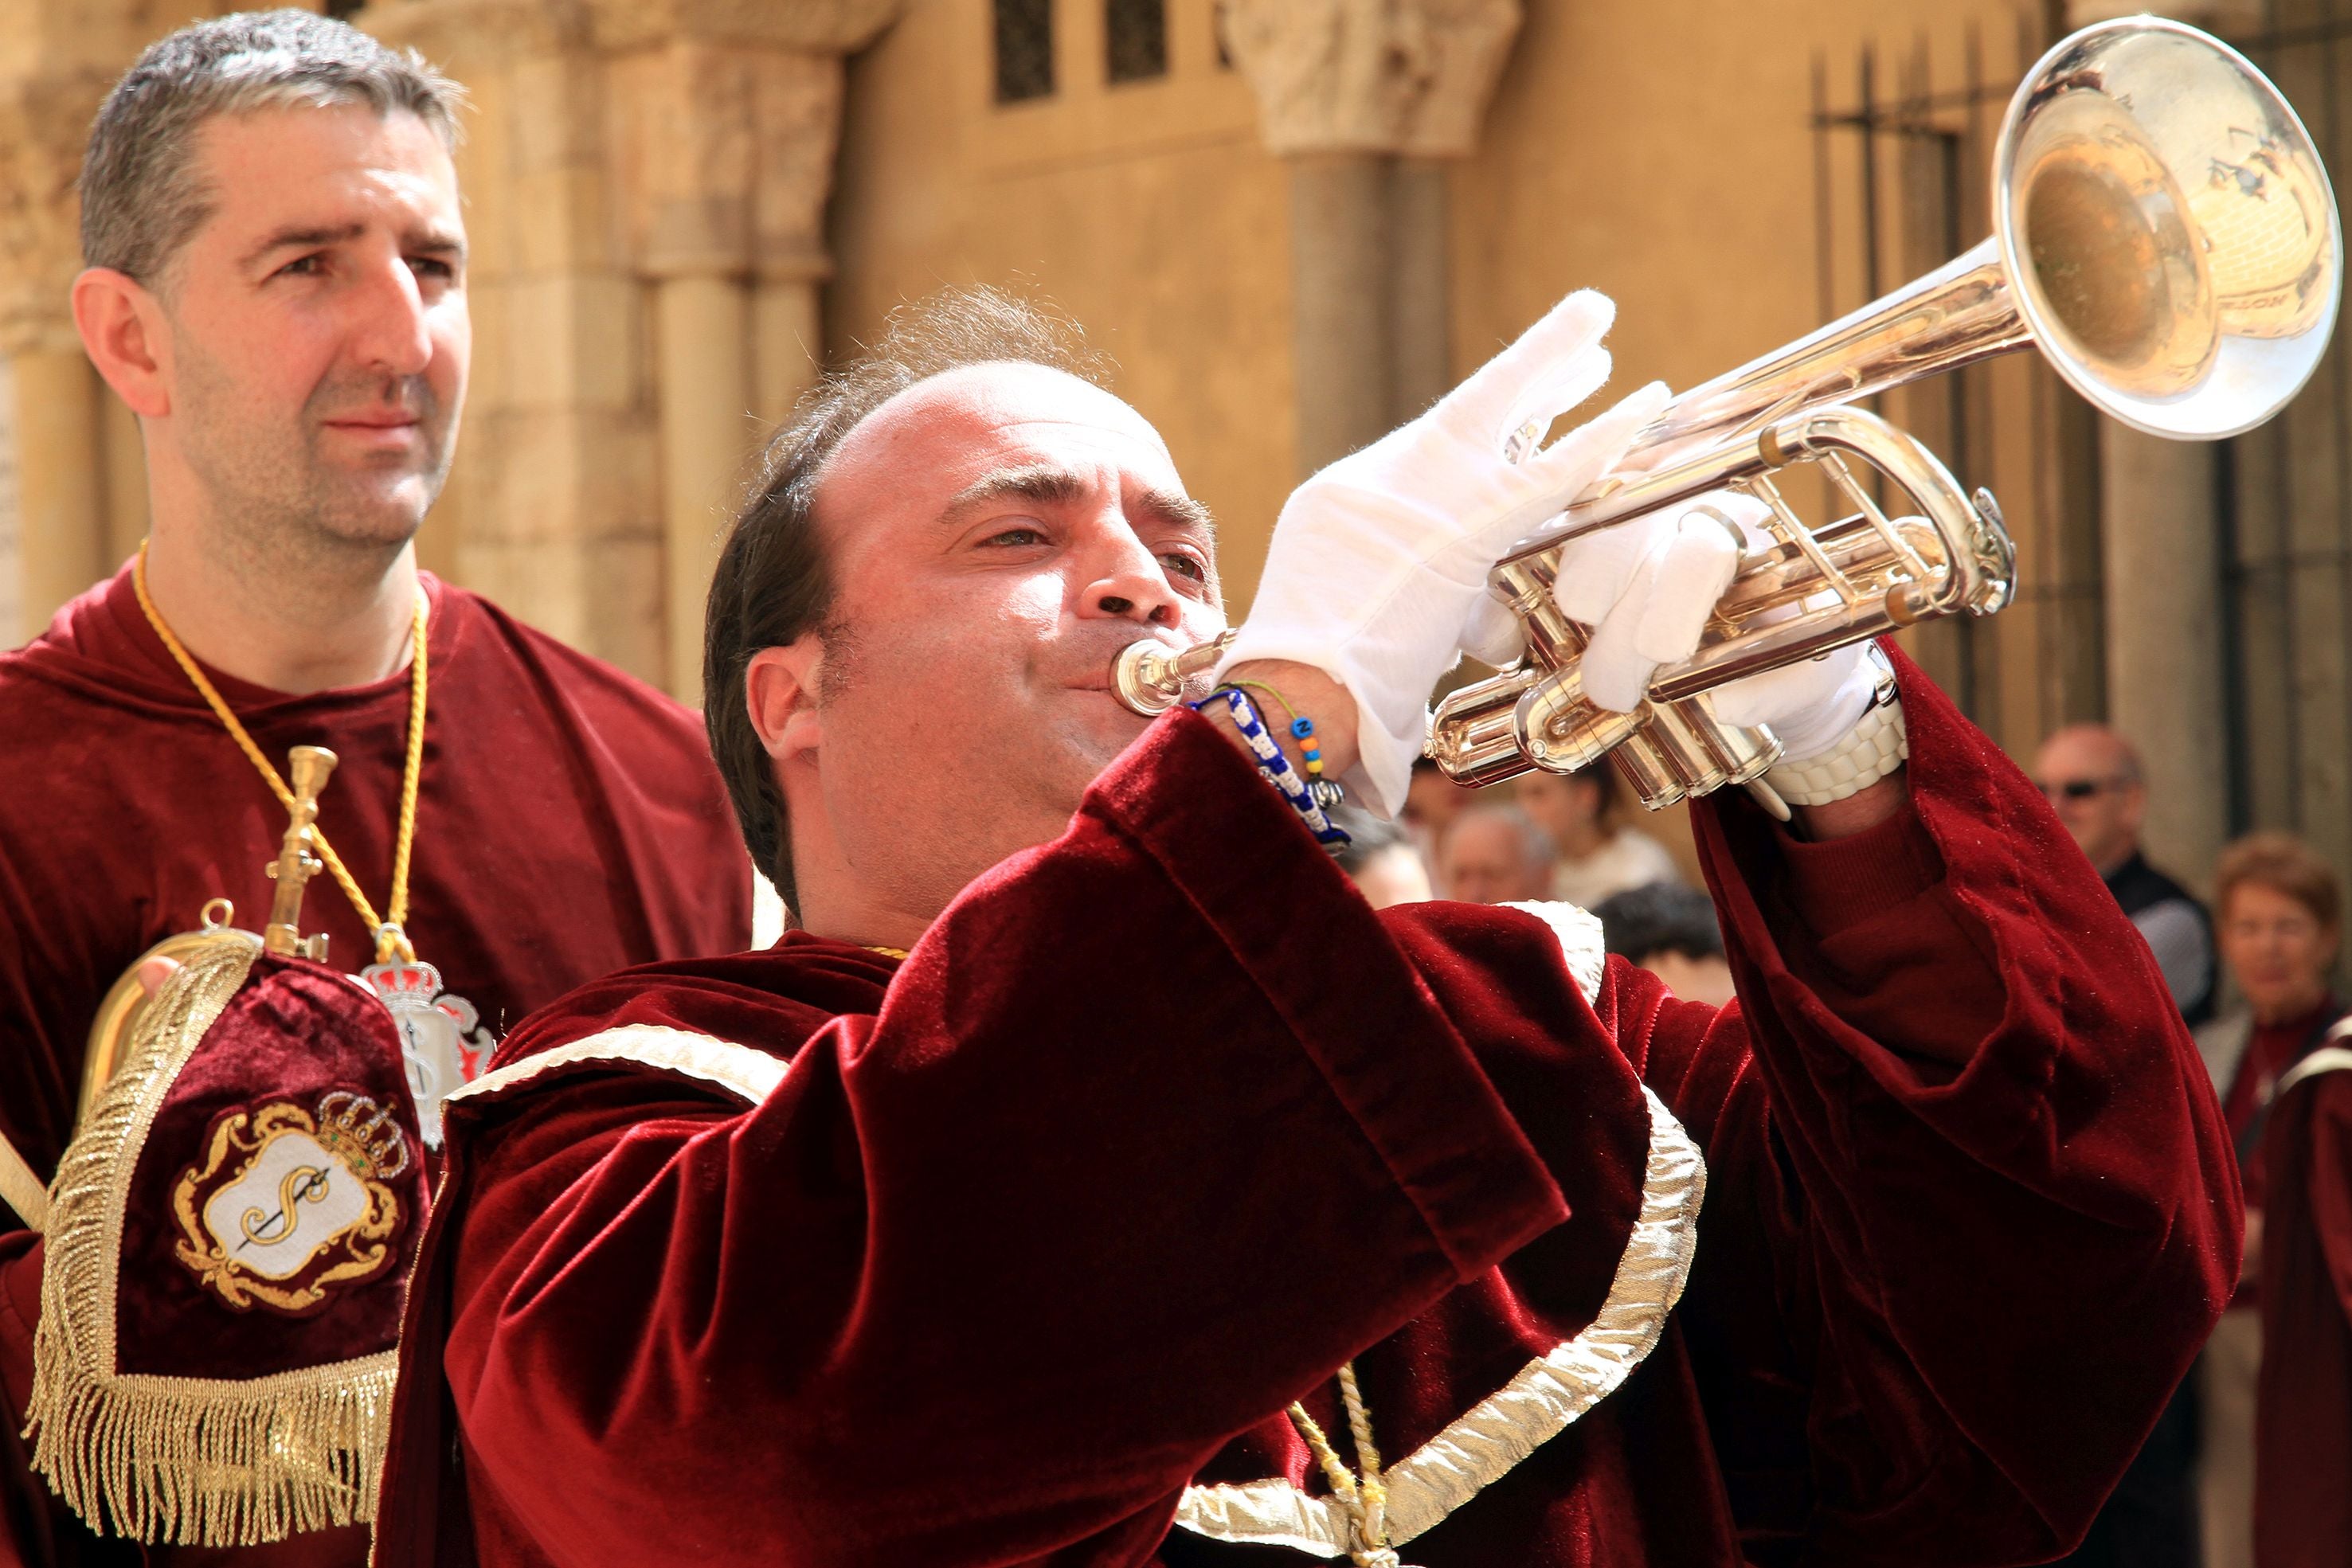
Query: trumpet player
x,y
276,286
1092,1176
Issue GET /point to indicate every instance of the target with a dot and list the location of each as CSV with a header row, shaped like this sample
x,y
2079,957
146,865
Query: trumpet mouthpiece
x,y
1149,677
310,768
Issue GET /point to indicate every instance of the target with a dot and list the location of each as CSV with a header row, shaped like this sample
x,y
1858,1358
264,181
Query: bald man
x,y
2093,776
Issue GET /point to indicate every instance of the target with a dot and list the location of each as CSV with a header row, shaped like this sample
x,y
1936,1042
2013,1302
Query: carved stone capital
x,y
817,27
457,35
725,156
1409,76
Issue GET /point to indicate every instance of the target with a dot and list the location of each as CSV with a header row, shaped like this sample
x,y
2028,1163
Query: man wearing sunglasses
x,y
2092,775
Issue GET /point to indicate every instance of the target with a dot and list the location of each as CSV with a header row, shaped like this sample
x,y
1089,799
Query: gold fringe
x,y
189,1461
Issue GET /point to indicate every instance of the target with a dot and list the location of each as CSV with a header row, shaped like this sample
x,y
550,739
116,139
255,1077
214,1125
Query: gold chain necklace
x,y
392,943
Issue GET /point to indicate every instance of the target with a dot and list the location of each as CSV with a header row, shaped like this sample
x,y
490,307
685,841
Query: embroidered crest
x,y
287,1204
441,1038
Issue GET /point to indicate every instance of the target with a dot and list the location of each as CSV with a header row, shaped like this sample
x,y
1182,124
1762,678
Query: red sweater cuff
x,y
1849,882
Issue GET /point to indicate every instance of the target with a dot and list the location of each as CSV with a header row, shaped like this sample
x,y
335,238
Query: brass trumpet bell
x,y
2164,234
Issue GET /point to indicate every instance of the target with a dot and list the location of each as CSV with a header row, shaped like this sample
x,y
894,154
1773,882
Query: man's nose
x,y
1126,583
393,333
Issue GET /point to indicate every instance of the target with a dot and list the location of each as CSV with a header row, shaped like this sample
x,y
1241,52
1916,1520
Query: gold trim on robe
x,y
1542,1401
191,1460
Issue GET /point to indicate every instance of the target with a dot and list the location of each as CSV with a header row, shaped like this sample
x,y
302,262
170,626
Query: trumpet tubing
x,y
2163,235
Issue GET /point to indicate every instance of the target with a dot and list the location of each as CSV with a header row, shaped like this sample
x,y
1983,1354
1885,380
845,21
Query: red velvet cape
x,y
1160,1124
570,822
2303,1419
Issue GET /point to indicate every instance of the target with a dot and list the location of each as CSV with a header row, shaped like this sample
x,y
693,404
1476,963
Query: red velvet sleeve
x,y
2331,1180
1971,1208
1154,1129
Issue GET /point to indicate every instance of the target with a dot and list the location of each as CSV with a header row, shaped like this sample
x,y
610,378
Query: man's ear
x,y
124,331
779,687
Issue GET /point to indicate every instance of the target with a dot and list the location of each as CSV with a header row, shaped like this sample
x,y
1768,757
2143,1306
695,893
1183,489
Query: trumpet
x,y
2163,233
308,768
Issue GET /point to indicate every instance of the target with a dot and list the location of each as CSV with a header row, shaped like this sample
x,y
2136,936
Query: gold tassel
x,y
189,1461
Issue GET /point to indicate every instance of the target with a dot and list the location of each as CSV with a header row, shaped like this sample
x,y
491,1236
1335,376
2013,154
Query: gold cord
x,y
391,940
886,952
1364,1495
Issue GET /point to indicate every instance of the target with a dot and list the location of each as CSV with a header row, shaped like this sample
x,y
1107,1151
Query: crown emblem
x,y
414,982
362,1133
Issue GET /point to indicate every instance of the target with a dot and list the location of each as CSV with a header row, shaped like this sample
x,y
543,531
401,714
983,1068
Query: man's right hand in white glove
x,y
1379,561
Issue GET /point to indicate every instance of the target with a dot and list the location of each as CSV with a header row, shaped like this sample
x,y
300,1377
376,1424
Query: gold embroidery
x,y
1547,1396
191,1460
330,1220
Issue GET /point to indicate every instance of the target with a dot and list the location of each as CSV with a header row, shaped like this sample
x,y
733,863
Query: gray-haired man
x,y
277,287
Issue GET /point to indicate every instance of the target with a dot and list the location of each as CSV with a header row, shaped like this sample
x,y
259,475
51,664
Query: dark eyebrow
x,y
1050,485
292,238
1040,482
431,240
1173,510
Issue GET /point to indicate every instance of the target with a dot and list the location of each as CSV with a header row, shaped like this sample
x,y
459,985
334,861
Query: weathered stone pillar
x,y
1366,98
2165,658
52,78
736,134
60,478
703,325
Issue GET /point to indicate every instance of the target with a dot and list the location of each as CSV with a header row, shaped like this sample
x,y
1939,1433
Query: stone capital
x,y
726,158
1409,76
817,27
458,34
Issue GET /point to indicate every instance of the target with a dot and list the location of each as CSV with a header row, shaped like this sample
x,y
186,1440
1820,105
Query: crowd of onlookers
x,y
2245,1447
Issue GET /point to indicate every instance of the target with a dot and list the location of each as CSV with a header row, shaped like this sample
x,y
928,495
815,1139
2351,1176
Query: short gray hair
x,y
1536,849
141,196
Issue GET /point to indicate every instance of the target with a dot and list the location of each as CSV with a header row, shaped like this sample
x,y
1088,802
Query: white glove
x,y
1646,589
1379,562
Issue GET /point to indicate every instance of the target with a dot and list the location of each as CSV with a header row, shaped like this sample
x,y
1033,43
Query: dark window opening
x,y
1024,49
1138,33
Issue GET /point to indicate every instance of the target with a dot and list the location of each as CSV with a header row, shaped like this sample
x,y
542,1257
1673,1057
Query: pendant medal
x,y
442,1043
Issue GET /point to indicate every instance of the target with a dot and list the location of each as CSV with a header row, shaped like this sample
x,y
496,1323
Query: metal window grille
x,y
1024,49
1901,185
1137,35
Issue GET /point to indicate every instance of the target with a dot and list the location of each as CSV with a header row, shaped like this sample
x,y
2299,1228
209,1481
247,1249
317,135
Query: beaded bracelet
x,y
1275,768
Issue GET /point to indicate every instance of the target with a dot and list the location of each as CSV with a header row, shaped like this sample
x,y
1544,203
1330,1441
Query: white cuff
x,y
1874,748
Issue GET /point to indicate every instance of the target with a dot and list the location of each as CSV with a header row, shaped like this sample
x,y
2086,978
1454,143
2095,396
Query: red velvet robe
x,y
1160,1124
570,822
2303,1420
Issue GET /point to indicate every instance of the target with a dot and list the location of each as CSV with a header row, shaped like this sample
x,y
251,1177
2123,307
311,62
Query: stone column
x,y
60,479
50,85
1366,99
2165,677
738,118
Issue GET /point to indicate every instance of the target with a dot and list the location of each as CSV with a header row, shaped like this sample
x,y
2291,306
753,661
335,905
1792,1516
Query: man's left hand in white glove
x,y
1647,588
